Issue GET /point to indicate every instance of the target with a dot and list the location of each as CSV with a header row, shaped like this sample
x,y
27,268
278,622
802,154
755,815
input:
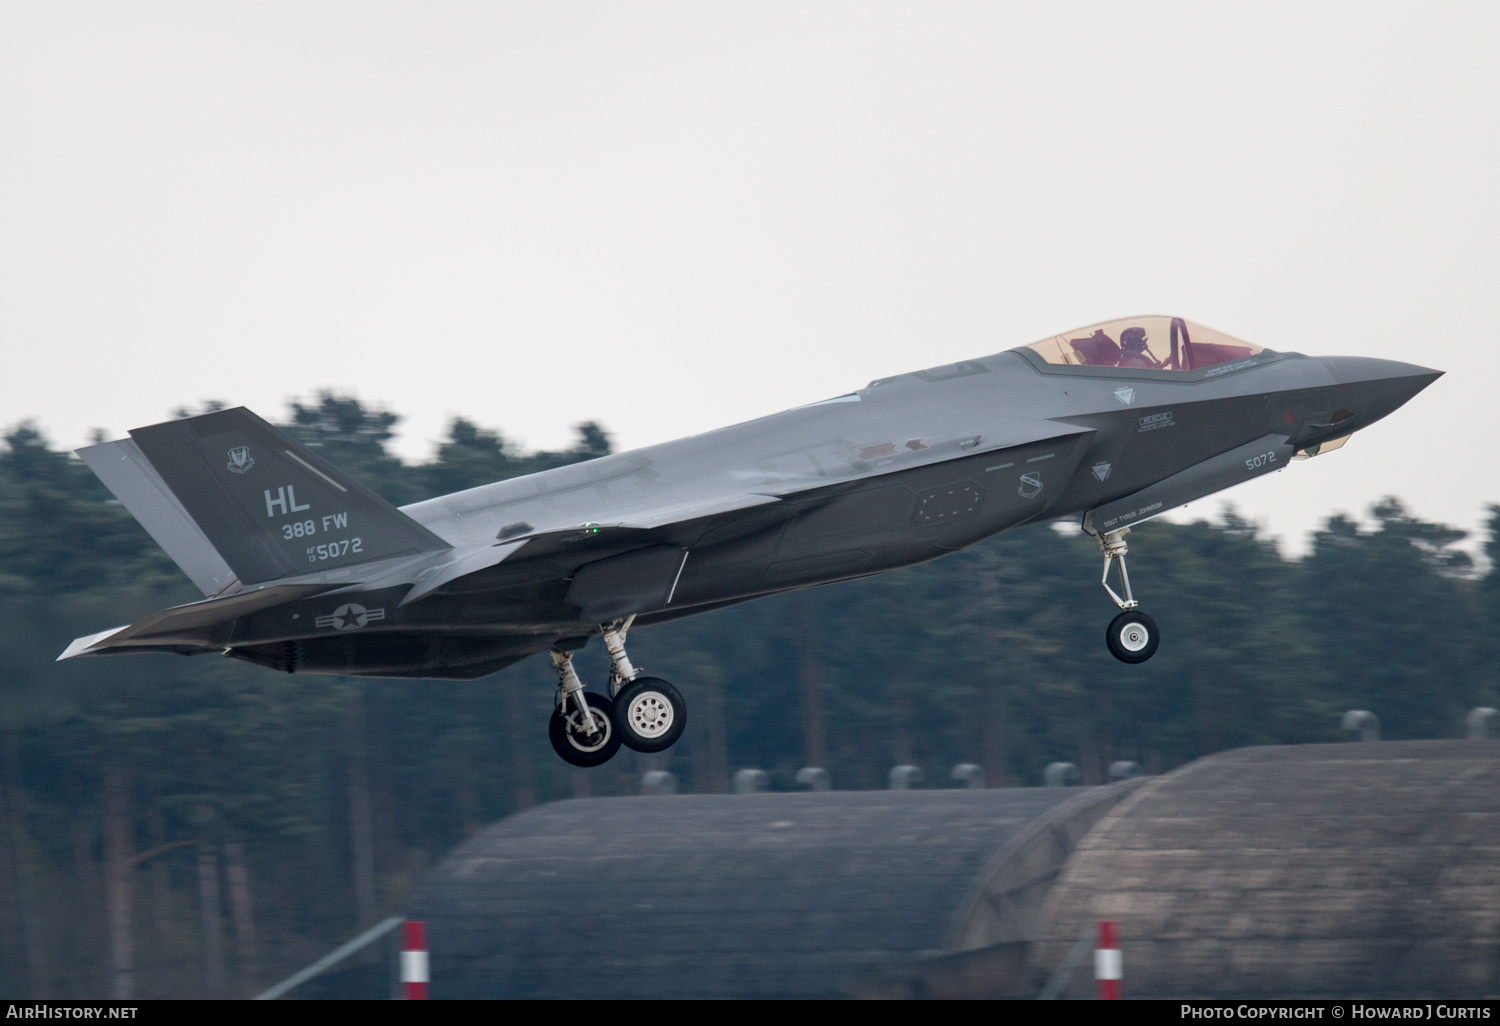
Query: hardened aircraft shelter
x,y
1335,870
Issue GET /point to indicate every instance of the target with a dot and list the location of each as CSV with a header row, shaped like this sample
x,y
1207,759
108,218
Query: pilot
x,y
1133,351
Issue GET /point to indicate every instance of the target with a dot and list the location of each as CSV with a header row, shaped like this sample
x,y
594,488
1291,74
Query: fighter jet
x,y
304,570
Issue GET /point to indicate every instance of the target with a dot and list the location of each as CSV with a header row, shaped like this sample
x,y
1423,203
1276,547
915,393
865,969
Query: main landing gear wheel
x,y
571,738
650,713
1132,637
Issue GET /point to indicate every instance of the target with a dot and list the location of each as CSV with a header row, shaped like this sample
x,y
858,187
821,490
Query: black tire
x,y
651,714
575,747
1132,637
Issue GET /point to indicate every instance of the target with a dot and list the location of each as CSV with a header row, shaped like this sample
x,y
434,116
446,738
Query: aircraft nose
x,y
1380,385
1353,370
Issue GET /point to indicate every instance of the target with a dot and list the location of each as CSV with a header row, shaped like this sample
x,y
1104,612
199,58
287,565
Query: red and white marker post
x,y
414,960
1107,966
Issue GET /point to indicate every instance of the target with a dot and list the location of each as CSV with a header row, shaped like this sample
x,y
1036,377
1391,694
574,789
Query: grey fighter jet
x,y
304,570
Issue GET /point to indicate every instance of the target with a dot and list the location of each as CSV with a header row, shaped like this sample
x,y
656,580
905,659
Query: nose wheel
x,y
1132,636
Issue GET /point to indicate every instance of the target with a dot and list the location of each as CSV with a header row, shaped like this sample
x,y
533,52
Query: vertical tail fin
x,y
229,496
127,473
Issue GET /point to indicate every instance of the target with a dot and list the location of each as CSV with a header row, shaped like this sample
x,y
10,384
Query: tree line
x,y
201,827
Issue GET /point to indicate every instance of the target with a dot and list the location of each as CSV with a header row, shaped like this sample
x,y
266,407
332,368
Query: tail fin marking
x,y
269,506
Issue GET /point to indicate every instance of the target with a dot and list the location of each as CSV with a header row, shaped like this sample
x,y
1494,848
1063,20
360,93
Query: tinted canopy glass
x,y
1144,343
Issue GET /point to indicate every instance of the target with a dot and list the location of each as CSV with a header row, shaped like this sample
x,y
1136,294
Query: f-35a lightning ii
x,y
304,570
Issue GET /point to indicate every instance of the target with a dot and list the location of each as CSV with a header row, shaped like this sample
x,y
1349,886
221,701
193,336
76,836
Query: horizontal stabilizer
x,y
196,627
266,506
82,646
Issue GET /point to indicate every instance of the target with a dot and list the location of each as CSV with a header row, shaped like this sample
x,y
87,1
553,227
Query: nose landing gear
x,y
1132,636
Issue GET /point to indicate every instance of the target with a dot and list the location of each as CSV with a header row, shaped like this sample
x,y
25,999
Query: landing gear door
x,y
633,582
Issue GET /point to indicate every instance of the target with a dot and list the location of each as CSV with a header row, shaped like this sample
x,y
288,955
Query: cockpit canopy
x,y
1144,343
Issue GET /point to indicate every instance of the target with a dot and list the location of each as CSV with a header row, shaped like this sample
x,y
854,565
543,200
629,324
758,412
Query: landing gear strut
x,y
645,713
1132,636
582,729
650,711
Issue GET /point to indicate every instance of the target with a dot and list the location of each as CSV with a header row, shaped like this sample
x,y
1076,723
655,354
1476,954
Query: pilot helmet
x,y
1133,339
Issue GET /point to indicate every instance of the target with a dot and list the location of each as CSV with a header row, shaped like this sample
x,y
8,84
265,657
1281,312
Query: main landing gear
x,y
1132,636
582,728
646,713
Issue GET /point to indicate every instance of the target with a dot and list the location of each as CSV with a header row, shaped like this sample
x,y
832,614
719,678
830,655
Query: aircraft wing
x,y
725,472
696,510
466,562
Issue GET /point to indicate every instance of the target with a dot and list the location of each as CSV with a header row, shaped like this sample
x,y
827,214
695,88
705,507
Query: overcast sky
x,y
669,217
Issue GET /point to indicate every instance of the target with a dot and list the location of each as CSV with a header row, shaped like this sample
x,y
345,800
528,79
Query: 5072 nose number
x,y
1256,462
333,549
